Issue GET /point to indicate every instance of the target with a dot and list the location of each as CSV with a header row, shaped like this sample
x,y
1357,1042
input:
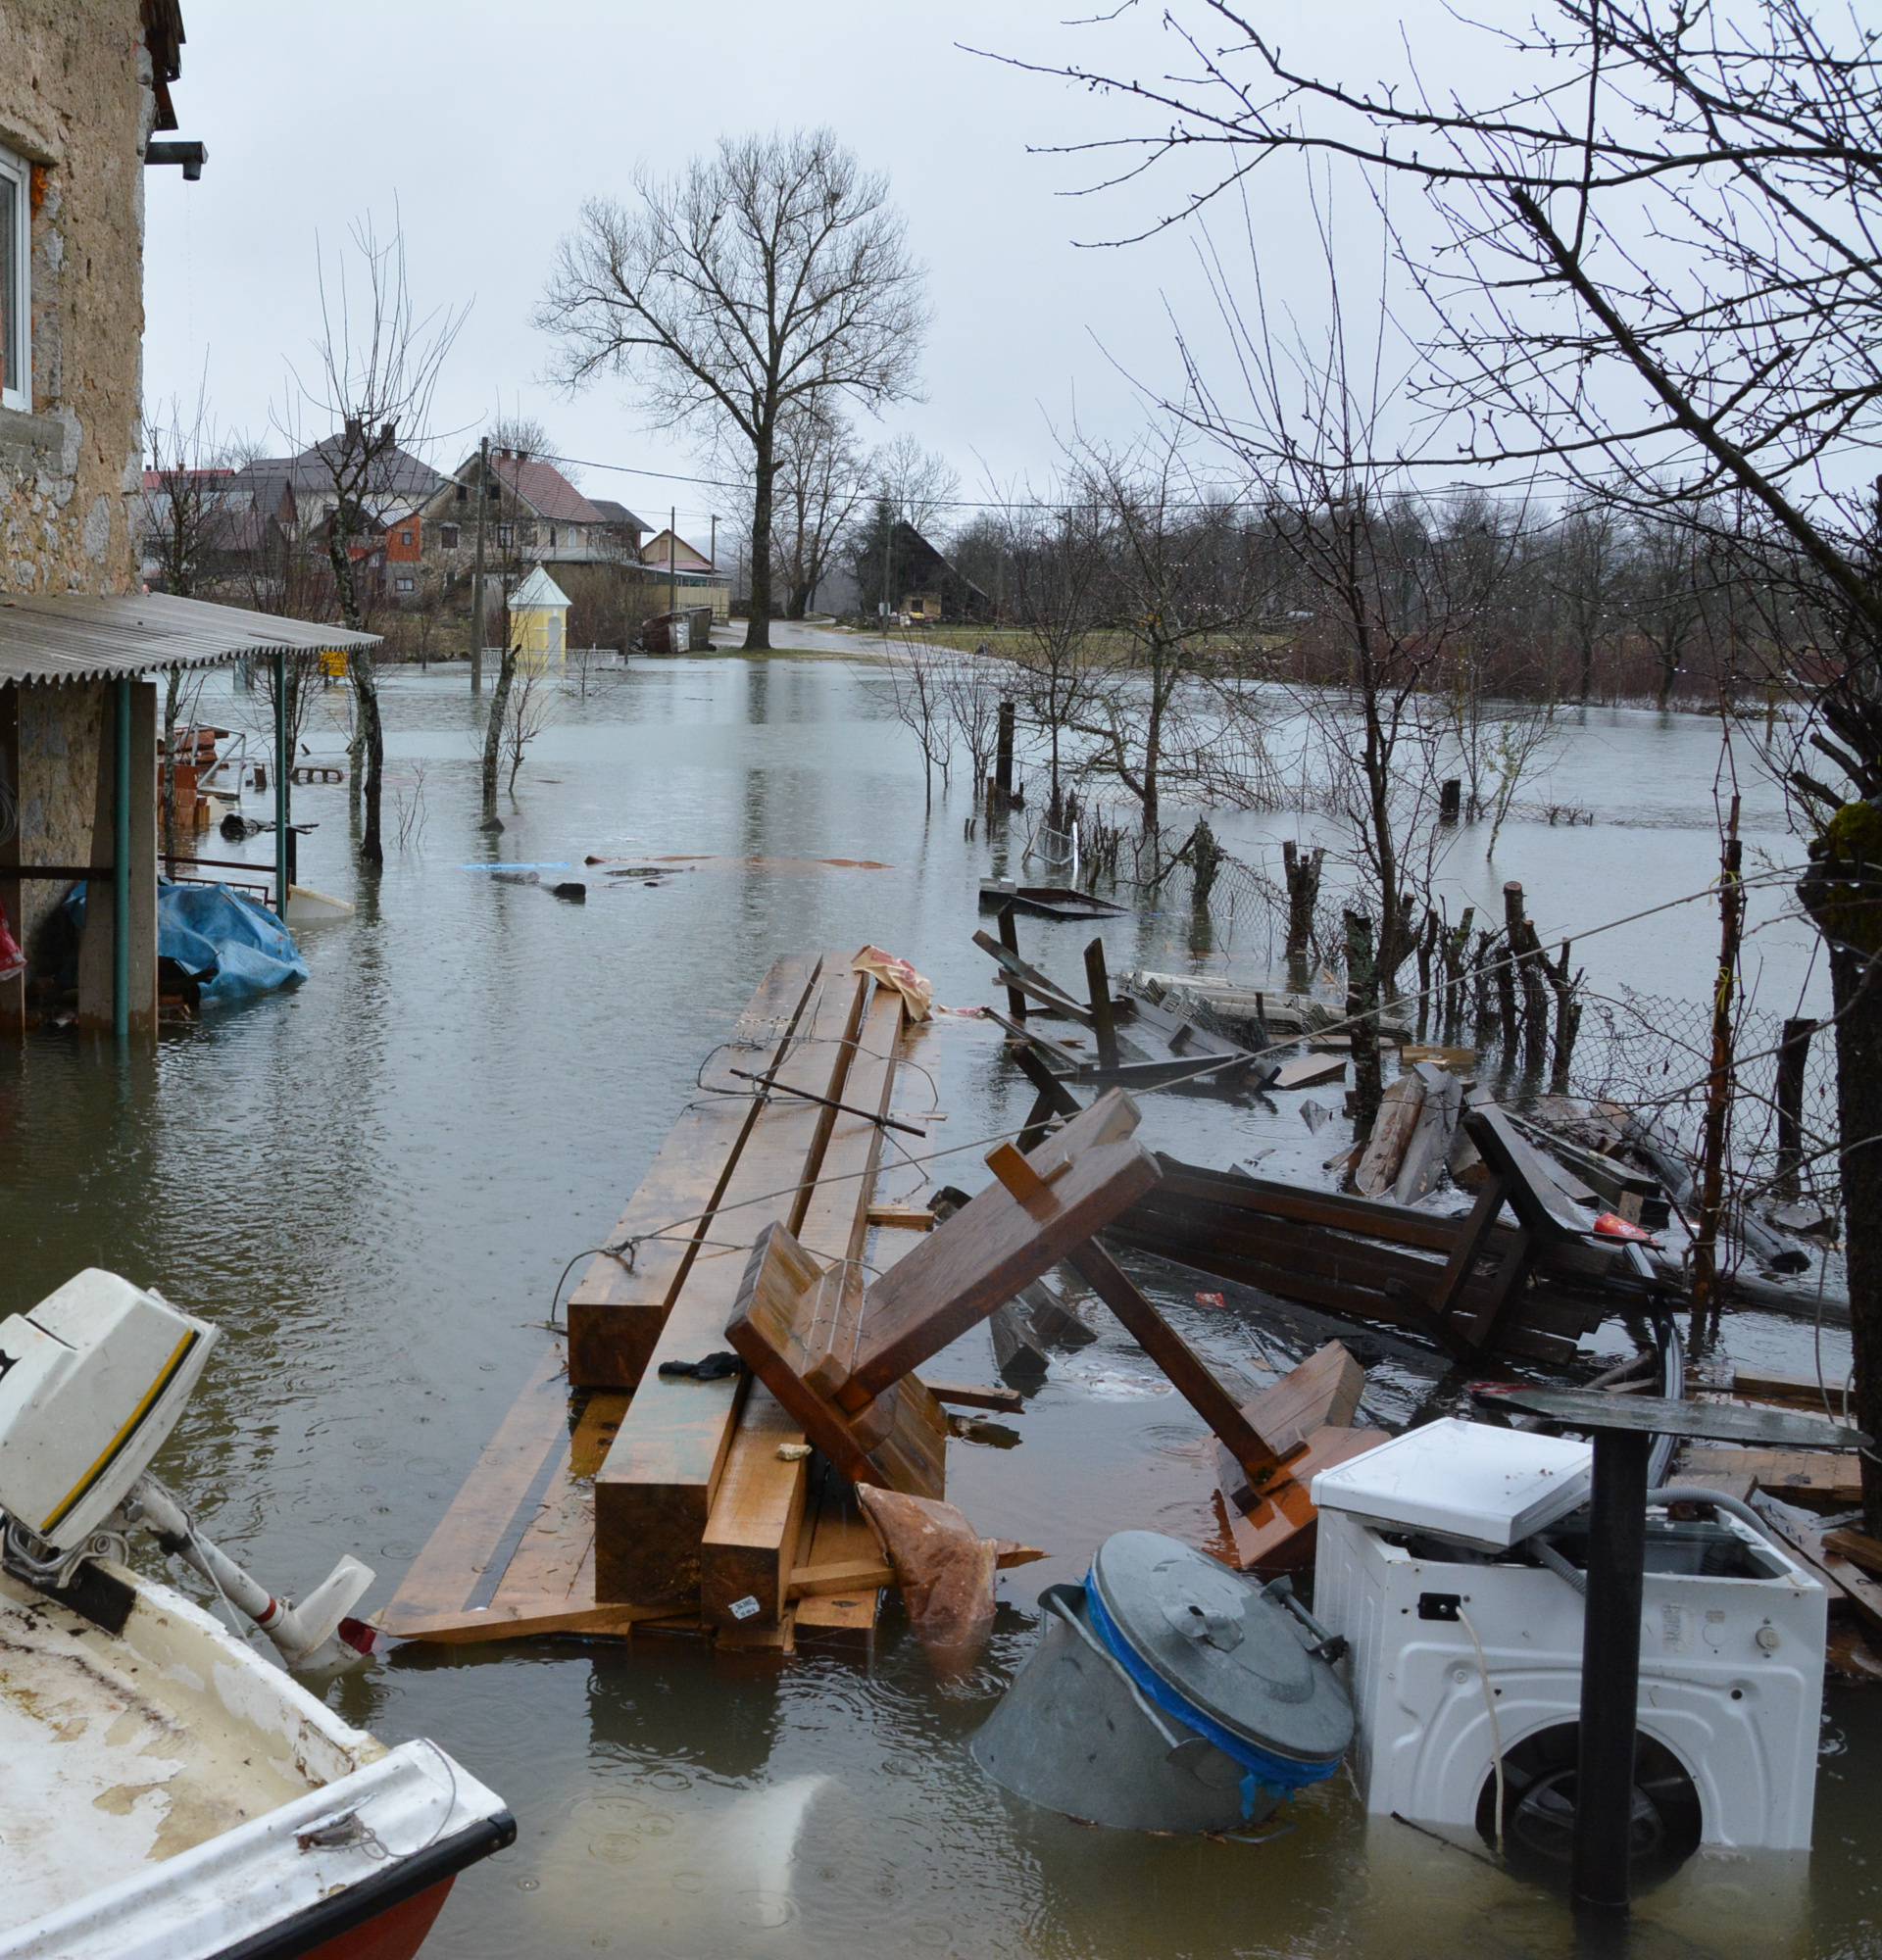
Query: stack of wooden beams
x,y
618,1497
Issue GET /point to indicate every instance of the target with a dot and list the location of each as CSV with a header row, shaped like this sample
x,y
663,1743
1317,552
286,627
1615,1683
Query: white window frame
x,y
16,182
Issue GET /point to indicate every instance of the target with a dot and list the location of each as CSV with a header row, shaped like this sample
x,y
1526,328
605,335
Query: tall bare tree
x,y
378,364
772,273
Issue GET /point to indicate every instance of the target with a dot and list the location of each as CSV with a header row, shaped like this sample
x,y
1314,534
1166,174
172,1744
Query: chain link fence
x,y
1654,1054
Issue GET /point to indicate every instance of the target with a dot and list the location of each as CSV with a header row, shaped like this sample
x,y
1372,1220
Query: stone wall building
x,y
81,90
84,86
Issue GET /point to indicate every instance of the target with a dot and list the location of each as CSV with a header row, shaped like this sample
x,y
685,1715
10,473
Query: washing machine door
x,y
1538,1812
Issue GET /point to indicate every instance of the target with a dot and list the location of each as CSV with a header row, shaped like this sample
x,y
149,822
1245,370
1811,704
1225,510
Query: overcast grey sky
x,y
489,124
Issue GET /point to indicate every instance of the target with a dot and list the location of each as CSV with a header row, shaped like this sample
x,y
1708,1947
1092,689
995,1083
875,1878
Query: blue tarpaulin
x,y
232,948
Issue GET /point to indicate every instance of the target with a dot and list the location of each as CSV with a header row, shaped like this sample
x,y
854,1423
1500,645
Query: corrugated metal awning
x,y
74,636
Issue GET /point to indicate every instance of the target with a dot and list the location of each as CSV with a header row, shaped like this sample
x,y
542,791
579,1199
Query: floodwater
x,y
372,1184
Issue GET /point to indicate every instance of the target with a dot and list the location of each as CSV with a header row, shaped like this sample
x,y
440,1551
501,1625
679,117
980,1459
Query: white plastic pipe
x,y
316,1634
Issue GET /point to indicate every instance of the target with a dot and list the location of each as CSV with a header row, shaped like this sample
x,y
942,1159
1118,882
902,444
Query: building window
x,y
464,493
405,537
15,283
404,585
448,536
505,536
552,537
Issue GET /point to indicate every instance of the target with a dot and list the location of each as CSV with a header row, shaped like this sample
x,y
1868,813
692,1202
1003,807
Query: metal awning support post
x,y
281,785
1611,1670
120,862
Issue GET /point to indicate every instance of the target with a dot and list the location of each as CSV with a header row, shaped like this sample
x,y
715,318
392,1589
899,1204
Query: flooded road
x,y
372,1184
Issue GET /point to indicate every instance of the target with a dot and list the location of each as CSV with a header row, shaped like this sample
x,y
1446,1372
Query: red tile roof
x,y
546,490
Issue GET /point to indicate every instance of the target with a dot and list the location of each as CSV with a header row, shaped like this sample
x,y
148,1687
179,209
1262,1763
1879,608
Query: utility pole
x,y
673,541
888,543
714,540
477,576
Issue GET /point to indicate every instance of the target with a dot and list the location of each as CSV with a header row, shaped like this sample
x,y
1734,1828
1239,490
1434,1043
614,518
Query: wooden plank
x,y
1009,938
1788,1389
1429,1144
978,1396
1857,1547
1278,1535
615,1314
841,1534
654,1494
902,1217
793,1324
1843,1577
751,1536
518,1459
752,1532
843,1575
1392,1131
1188,1374
1098,983
1027,979
996,1245
1309,1071
1831,1477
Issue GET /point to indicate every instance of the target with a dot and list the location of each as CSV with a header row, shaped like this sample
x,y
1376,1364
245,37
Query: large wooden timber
x,y
517,1552
842,1362
751,1540
618,1307
653,1497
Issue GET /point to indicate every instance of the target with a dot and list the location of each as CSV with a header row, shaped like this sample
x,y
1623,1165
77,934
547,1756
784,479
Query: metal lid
x,y
1236,1656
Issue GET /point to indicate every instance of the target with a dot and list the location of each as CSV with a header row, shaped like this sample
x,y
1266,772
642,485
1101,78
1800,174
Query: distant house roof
x,y
616,513
538,589
395,471
686,558
539,486
69,636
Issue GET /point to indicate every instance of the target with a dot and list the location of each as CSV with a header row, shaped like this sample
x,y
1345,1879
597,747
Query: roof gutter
x,y
192,157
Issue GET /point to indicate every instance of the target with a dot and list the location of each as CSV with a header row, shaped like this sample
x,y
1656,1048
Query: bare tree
x,y
186,508
1655,272
527,713
820,483
1054,556
770,273
918,674
912,489
378,365
1173,584
1583,575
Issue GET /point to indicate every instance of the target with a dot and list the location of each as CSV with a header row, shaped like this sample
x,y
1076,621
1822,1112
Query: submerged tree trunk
x,y
1842,891
371,737
758,627
1303,875
1363,1009
1719,1082
366,753
493,734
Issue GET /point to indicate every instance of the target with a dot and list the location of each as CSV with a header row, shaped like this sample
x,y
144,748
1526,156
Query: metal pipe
x,y
1611,1670
120,869
281,785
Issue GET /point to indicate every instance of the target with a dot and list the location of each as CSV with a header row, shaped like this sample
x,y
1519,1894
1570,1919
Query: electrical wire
x,y
1496,1727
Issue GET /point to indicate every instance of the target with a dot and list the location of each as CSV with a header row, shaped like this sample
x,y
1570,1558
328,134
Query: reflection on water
x,y
371,1186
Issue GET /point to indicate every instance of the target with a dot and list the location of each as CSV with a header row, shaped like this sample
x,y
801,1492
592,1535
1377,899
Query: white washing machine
x,y
1422,1549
